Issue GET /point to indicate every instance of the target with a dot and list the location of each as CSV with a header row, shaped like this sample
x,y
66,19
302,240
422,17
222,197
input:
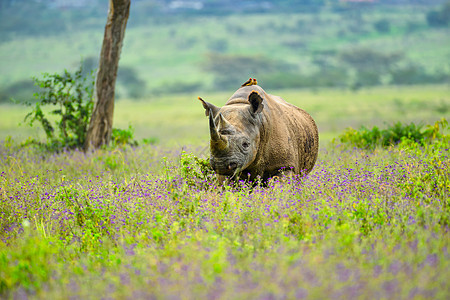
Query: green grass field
x,y
146,222
179,119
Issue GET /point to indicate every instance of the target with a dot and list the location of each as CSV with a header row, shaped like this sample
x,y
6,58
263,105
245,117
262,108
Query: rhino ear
x,y
209,107
256,102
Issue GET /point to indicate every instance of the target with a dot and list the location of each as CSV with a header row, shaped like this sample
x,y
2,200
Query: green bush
x,y
121,137
394,134
196,171
70,96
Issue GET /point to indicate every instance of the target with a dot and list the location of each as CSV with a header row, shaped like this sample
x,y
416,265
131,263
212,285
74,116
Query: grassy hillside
x,y
170,54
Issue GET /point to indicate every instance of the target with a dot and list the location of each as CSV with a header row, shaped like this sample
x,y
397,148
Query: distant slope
x,y
170,54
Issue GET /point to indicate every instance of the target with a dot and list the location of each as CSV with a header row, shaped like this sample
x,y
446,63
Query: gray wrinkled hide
x,y
257,140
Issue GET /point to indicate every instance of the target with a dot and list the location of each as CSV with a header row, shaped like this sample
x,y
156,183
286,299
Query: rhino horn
x,y
216,137
209,107
223,123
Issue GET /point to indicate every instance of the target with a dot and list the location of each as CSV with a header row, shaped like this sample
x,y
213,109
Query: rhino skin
x,y
258,135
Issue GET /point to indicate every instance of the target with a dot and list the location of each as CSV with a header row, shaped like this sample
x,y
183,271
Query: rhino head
x,y
235,133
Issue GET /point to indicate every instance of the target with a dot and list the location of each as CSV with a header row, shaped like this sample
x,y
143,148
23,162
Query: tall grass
x,y
144,223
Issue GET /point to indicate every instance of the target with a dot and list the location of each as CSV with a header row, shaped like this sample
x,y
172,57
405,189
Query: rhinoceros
x,y
258,135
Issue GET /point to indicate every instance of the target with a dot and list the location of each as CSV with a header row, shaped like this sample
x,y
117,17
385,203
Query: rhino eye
x,y
245,145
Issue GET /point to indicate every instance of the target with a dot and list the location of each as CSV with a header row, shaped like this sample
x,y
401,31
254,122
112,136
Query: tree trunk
x,y
100,126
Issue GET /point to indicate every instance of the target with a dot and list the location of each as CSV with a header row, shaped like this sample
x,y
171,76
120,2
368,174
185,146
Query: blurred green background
x,y
346,62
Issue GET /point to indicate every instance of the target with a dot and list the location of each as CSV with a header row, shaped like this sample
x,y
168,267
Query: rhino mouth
x,y
231,170
226,168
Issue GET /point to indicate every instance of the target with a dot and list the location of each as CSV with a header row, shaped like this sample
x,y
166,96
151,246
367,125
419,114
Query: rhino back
x,y
291,136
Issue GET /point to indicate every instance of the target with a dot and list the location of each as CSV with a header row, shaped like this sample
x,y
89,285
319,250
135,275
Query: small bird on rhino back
x,y
256,136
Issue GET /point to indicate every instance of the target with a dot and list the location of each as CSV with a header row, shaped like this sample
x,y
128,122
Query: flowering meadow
x,y
150,222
